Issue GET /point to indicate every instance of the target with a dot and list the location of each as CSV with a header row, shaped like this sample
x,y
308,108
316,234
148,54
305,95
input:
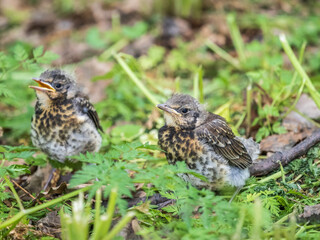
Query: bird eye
x,y
58,85
184,110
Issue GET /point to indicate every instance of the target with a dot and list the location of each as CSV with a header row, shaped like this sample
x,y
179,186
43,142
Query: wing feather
x,y
218,135
87,108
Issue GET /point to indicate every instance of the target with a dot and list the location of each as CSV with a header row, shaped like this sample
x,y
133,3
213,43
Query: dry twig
x,y
272,163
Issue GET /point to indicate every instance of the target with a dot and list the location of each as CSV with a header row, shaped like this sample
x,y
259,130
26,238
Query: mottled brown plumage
x,y
205,142
64,123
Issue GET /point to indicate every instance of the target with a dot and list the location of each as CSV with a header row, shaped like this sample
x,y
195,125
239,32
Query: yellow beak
x,y
43,86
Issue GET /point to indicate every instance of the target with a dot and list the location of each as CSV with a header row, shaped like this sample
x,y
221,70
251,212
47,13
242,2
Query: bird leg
x,y
235,193
49,179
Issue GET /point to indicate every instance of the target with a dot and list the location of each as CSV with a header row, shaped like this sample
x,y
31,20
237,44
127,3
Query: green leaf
x,y
17,170
135,31
155,55
262,132
5,91
94,38
47,57
20,54
37,52
127,132
277,128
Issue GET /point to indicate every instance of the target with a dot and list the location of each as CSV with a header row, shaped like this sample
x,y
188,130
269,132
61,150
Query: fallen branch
x,y
272,163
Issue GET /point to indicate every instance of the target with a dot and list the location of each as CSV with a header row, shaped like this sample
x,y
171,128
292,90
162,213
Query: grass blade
x,y
315,95
236,37
223,54
135,79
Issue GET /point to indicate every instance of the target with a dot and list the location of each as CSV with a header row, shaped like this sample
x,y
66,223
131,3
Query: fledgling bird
x,y
206,143
64,123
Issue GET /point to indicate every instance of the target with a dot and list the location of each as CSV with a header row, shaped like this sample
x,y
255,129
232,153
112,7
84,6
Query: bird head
x,y
54,84
183,111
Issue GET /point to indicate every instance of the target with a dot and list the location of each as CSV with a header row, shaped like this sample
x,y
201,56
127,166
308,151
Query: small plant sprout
x,y
77,225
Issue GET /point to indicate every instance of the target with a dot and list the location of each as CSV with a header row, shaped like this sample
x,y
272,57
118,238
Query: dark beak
x,y
168,109
43,86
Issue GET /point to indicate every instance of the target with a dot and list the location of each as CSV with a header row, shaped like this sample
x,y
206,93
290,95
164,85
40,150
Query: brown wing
x,y
87,108
218,134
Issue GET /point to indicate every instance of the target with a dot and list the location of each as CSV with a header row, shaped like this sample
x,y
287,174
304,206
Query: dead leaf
x,y
53,191
138,186
50,224
140,46
295,122
173,28
85,71
307,106
101,16
279,143
311,213
144,207
135,226
21,230
129,233
35,182
70,51
220,26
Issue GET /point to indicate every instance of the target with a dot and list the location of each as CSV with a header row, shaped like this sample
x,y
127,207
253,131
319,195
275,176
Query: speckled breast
x,y
61,135
180,146
185,146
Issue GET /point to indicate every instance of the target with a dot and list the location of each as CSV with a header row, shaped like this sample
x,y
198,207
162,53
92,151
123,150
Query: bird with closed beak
x,y
206,143
65,123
